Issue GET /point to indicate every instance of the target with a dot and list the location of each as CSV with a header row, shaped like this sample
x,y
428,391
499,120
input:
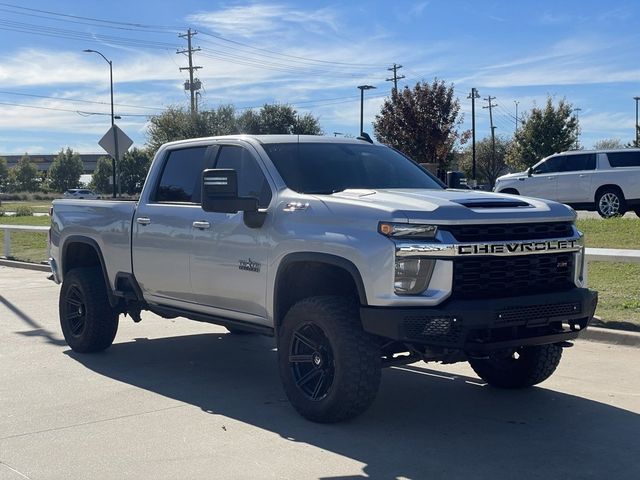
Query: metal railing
x,y
7,229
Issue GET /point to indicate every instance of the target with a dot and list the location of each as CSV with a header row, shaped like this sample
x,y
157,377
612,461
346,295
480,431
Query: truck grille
x,y
517,231
441,329
536,313
496,277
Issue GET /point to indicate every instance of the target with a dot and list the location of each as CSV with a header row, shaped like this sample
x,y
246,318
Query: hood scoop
x,y
485,203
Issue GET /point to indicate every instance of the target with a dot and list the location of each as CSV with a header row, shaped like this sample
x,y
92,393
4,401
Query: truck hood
x,y
447,206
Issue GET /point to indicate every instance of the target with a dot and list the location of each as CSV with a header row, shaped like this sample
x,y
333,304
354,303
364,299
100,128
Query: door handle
x,y
550,178
201,225
143,221
582,176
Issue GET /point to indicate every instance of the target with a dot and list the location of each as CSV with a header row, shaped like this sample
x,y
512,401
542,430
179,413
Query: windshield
x,y
333,167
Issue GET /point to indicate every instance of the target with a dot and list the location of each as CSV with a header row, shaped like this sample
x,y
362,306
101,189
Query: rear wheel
x,y
330,367
518,368
89,323
610,203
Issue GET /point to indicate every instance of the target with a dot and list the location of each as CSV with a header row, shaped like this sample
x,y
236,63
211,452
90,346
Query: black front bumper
x,y
485,325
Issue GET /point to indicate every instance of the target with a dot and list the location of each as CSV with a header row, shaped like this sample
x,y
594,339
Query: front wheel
x,y
89,323
329,366
518,368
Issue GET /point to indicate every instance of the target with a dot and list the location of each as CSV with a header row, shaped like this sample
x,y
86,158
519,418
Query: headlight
x,y
407,230
412,275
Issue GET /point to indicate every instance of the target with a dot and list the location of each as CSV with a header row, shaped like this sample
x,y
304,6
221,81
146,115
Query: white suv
x,y
81,193
607,181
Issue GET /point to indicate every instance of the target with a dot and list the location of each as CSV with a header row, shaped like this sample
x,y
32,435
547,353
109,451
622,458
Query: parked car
x,y
352,256
607,181
81,193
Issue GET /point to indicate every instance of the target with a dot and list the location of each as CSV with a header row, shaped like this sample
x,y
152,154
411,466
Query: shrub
x,y
24,211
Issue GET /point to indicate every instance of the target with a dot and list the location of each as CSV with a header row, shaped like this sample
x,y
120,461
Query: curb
x,y
610,336
25,265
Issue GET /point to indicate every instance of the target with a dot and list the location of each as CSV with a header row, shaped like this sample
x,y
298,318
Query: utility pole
x,y
395,77
577,110
637,126
192,87
473,95
517,119
493,129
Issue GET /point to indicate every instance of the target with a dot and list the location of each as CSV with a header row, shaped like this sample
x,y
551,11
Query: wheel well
x,y
298,280
607,187
511,191
78,254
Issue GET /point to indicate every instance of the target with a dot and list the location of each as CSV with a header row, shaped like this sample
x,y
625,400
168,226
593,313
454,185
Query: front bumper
x,y
479,326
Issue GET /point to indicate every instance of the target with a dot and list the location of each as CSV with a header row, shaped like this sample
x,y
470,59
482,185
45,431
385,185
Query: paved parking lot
x,y
179,399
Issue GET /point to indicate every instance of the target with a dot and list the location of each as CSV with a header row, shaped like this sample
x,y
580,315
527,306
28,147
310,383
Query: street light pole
x,y
362,89
637,127
115,136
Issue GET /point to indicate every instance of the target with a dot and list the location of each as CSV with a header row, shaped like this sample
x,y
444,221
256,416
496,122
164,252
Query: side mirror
x,y
220,192
530,171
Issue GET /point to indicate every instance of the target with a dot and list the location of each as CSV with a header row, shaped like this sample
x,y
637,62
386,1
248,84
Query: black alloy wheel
x,y
75,311
311,361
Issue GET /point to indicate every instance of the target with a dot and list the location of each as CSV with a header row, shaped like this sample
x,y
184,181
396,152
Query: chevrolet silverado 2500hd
x,y
349,253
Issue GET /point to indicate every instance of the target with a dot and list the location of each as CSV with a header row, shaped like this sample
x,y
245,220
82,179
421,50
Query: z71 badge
x,y
250,266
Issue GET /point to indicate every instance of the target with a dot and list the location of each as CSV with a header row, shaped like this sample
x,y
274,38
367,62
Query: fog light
x,y
412,275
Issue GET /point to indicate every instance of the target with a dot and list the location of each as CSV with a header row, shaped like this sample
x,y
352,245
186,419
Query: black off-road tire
x,y
89,323
329,366
520,368
610,203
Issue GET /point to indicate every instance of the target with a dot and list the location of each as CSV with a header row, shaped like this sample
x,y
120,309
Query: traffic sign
x,y
108,141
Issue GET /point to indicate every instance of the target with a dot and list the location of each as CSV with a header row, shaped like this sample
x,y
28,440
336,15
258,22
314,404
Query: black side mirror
x,y
530,171
220,192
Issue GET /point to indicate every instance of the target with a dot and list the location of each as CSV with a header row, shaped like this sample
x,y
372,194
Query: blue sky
x,y
312,55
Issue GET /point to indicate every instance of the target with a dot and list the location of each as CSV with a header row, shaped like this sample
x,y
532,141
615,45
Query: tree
x,y
25,175
133,170
421,122
176,123
488,168
544,131
608,143
275,119
65,171
4,174
101,180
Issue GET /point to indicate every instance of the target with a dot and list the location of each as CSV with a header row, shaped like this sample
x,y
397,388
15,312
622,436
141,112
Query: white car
x,y
607,181
81,193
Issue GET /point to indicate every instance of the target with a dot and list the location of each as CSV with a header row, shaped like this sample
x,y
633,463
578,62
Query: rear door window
x,y
181,176
576,163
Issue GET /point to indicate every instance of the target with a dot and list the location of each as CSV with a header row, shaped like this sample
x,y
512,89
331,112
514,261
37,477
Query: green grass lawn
x,y
27,246
618,284
38,206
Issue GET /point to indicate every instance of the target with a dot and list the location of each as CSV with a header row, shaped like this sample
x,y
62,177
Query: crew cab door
x,y
575,177
229,260
163,225
543,180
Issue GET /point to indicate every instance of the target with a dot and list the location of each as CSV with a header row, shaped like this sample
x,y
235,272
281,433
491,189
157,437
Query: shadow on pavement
x,y
37,330
424,424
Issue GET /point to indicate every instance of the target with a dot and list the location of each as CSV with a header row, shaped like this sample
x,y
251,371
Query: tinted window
x,y
332,167
573,163
624,159
251,179
181,176
551,165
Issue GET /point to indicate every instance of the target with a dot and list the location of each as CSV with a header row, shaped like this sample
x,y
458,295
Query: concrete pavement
x,y
180,399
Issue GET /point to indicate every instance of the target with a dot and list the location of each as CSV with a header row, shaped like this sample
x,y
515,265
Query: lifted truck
x,y
349,253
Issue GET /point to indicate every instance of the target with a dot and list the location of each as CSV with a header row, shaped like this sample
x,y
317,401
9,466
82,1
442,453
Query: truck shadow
x,y
424,424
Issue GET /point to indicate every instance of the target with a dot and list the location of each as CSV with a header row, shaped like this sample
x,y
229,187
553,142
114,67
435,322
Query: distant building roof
x,y
44,161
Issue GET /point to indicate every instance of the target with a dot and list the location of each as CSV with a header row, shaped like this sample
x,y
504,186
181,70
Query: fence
x,y
7,229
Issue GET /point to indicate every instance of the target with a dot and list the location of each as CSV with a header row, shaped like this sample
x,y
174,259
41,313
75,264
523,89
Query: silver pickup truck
x,y
349,253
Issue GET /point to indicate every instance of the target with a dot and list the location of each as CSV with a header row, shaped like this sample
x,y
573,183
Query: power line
x,y
79,112
77,100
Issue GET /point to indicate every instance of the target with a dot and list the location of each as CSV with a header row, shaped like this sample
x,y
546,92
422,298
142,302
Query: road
x,y
179,399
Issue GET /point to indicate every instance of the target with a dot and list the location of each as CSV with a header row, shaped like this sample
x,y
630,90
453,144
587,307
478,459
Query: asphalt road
x,y
178,399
